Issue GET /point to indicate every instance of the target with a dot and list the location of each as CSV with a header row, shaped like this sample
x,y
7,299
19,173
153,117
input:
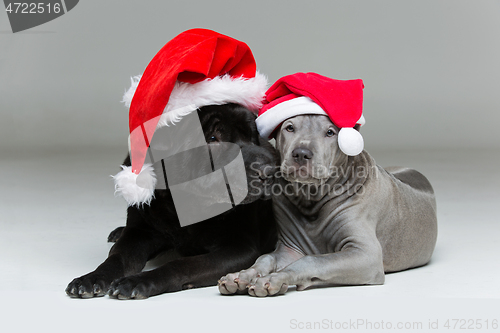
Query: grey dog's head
x,y
308,145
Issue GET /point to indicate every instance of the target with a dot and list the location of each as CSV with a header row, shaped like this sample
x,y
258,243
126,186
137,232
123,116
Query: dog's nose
x,y
302,155
265,173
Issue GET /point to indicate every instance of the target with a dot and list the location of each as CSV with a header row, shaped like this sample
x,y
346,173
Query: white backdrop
x,y
430,67
431,72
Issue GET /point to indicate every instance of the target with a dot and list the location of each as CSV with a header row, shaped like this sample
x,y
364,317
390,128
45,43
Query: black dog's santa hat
x,y
311,93
199,67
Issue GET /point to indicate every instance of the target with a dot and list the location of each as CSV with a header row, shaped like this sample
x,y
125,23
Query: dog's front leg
x,y
359,264
185,273
127,256
237,283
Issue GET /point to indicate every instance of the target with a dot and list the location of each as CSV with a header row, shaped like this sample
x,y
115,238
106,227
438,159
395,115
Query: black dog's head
x,y
244,161
236,124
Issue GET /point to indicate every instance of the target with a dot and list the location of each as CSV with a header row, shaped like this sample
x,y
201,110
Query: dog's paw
x,y
236,283
131,287
269,285
88,286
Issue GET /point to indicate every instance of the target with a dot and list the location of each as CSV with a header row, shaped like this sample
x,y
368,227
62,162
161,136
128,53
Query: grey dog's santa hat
x,y
198,67
311,93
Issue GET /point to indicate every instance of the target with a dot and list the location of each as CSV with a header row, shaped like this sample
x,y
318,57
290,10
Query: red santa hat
x,y
311,93
199,67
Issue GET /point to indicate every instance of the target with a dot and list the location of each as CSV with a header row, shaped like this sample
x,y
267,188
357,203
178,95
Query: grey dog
x,y
343,220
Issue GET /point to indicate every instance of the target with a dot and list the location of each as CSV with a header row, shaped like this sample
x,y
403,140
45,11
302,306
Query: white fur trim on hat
x,y
273,117
126,185
361,121
184,99
248,92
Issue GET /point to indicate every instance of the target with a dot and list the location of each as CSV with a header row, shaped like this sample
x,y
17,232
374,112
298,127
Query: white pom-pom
x,y
126,185
350,141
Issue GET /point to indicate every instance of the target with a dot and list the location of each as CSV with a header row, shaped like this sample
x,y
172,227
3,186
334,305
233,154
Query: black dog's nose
x,y
266,171
302,155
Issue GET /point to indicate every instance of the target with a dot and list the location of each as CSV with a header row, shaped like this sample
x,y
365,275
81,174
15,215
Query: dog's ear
x,y
265,143
278,138
357,127
127,162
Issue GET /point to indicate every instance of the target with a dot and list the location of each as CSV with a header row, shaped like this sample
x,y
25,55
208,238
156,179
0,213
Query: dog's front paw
x,y
237,283
88,286
269,285
131,287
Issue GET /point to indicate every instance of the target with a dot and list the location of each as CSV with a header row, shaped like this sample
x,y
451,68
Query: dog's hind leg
x,y
409,241
411,177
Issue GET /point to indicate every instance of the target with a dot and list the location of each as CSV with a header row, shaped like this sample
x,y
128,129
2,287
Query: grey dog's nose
x,y
302,155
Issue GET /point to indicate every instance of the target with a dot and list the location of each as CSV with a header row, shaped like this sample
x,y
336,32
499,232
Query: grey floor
x,y
57,208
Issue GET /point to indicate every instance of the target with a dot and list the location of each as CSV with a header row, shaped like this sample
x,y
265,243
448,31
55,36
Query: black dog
x,y
210,249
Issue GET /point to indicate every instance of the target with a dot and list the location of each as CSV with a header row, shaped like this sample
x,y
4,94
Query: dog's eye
x,y
290,128
212,139
330,132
